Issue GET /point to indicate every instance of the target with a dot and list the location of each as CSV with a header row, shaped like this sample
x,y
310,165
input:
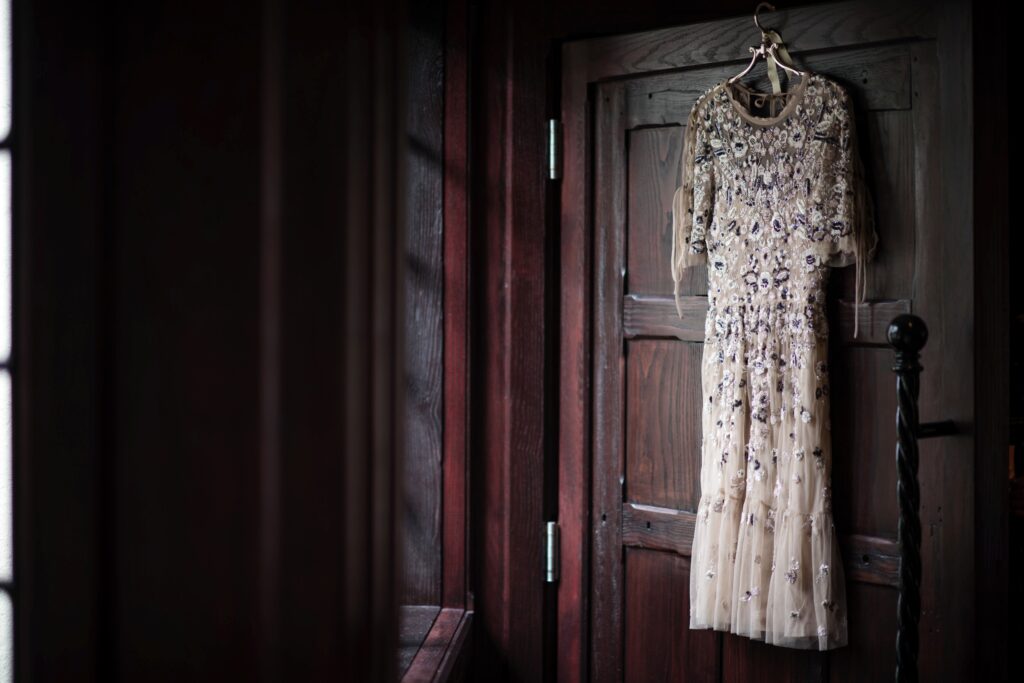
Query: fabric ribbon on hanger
x,y
780,47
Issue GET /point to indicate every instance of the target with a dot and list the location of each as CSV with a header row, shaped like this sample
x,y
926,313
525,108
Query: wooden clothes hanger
x,y
773,49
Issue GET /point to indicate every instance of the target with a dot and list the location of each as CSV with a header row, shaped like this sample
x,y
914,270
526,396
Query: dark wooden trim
x,y
827,26
608,377
870,559
656,316
867,559
510,336
573,665
457,388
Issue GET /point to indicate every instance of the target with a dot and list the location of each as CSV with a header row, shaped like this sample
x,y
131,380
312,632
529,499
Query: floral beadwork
x,y
793,571
750,594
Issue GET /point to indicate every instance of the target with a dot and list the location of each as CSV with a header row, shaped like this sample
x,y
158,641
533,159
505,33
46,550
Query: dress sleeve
x,y
692,203
851,237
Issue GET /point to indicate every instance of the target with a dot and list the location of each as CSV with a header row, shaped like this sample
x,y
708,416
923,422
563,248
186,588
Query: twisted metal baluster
x,y
907,333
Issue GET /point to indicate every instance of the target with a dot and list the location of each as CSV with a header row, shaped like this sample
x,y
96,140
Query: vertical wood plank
x,y
609,385
745,660
575,374
509,220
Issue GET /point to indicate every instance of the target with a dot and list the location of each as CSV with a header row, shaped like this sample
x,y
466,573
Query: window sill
x,y
442,656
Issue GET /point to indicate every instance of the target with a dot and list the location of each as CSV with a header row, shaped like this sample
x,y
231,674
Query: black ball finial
x,y
907,333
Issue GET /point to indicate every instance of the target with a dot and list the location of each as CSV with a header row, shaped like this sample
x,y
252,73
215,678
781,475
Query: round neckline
x,y
796,97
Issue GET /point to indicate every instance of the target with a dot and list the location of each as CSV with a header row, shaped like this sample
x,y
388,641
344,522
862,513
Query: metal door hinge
x,y
554,149
552,552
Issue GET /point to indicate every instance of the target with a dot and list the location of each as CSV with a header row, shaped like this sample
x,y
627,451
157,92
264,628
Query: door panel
x,y
653,180
626,100
667,375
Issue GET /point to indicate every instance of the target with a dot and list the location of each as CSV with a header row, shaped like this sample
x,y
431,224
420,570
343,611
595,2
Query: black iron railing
x,y
907,334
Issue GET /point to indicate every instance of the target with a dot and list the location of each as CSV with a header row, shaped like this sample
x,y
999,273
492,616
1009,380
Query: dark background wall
x,y
207,221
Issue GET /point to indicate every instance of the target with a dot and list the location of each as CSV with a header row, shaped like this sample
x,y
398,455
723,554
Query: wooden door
x,y
630,414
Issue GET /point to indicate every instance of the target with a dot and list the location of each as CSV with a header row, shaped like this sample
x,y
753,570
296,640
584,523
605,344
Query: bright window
x,y
6,394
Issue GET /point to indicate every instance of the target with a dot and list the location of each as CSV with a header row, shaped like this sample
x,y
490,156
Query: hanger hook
x,y
757,22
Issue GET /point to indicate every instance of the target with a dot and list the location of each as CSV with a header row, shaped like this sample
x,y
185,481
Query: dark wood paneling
x,y
881,74
807,29
744,659
887,146
871,652
654,175
510,286
863,441
663,432
658,592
